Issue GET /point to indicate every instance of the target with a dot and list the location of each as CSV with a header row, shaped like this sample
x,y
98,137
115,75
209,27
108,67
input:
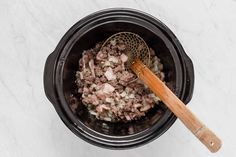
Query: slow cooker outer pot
x,y
53,77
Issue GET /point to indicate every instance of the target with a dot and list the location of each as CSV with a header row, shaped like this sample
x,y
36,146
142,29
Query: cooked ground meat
x,y
109,90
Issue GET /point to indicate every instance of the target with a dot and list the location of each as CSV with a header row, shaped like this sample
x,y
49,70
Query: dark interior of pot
x,y
155,116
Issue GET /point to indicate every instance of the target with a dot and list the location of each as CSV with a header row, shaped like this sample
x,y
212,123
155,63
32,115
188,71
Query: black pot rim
x,y
81,130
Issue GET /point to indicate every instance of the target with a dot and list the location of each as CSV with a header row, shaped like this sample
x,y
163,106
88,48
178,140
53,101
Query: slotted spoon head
x,y
136,47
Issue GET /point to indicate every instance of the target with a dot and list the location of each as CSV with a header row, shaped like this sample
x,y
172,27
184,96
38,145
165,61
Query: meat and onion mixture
x,y
109,90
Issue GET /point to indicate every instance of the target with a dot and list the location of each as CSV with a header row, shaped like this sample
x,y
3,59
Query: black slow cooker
x,y
62,63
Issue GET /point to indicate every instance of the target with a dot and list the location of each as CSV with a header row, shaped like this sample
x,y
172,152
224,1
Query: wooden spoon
x,y
206,136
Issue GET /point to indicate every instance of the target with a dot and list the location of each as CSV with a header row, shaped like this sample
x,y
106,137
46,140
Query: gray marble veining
x,y
31,29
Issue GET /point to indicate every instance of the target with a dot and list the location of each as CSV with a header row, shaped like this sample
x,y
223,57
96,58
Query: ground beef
x,y
109,90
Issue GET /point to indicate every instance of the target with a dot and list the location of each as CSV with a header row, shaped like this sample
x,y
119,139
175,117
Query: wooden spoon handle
x,y
206,136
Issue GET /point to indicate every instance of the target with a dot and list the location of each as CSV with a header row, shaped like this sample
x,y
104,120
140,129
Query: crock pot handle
x,y
190,79
48,78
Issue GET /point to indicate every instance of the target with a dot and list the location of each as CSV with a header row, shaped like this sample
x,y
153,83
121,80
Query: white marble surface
x,y
31,29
